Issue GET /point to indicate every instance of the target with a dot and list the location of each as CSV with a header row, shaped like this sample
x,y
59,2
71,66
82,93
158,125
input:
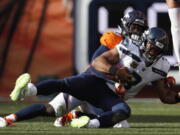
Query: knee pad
x,y
50,110
64,103
121,112
59,105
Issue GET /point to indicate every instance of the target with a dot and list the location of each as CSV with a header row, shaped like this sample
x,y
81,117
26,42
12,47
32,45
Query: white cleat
x,y
65,120
122,124
18,92
3,122
58,122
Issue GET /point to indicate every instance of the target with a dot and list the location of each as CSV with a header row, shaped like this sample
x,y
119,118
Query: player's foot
x,y
65,120
4,122
122,124
21,84
80,122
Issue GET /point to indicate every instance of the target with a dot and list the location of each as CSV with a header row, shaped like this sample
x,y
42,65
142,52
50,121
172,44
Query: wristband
x,y
113,70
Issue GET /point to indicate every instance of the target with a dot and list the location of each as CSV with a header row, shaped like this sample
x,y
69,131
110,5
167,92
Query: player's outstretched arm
x,y
166,94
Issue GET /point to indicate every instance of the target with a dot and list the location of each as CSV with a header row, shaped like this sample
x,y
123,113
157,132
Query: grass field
x,y
148,118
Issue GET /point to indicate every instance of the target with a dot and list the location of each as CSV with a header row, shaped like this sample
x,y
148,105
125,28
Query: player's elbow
x,y
95,63
98,63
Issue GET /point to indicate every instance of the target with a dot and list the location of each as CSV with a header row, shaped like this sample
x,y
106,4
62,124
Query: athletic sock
x,y
31,90
11,118
94,123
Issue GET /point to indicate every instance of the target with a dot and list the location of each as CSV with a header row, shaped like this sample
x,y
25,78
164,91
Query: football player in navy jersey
x,y
122,67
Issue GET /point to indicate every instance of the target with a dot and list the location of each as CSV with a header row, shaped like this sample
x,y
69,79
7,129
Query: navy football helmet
x,y
134,23
156,42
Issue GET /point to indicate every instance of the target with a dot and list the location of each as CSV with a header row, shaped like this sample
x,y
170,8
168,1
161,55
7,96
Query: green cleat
x,y
20,87
80,122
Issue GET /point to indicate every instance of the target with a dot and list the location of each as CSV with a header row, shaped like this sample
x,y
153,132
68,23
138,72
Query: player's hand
x,y
179,94
170,81
123,75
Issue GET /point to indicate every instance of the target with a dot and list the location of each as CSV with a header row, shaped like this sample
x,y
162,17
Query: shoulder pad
x,y
162,66
110,39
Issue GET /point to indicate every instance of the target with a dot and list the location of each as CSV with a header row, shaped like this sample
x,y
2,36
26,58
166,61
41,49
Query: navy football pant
x,y
92,89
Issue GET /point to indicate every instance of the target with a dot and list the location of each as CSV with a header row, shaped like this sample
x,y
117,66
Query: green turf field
x,y
148,118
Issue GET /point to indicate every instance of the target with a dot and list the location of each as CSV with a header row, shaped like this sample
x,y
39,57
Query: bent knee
x,y
125,109
121,112
49,110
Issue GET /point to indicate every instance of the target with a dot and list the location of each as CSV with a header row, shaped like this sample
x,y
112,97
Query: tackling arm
x,y
106,60
167,95
107,63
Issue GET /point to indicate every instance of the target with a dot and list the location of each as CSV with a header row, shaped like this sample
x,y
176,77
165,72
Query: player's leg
x,y
60,105
118,113
23,87
174,15
74,85
115,110
95,91
86,110
63,105
88,87
26,113
93,112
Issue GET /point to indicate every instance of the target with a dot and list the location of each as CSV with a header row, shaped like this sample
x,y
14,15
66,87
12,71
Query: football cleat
x,y
81,122
18,92
122,124
65,120
4,122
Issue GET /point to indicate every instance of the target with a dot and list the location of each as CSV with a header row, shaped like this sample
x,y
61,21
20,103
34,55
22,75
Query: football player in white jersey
x,y
151,68
174,15
136,70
